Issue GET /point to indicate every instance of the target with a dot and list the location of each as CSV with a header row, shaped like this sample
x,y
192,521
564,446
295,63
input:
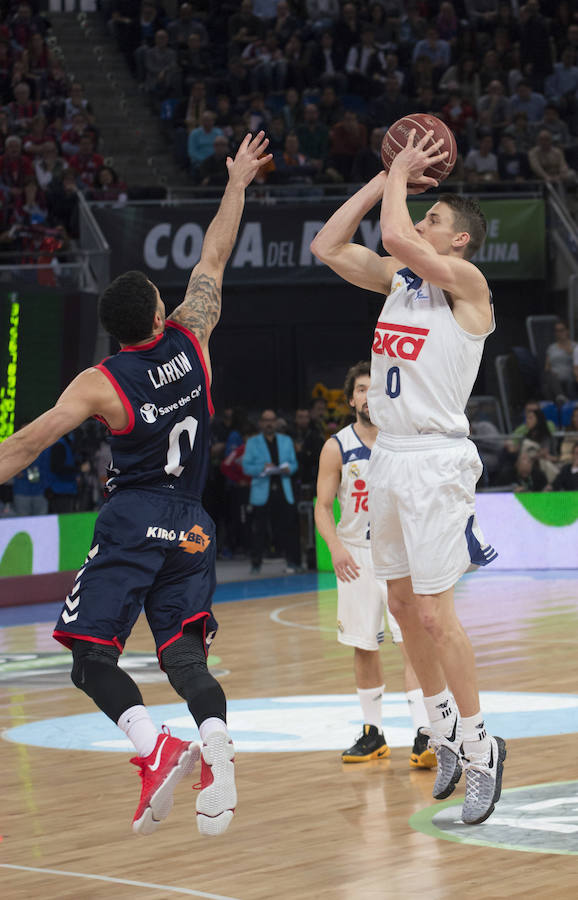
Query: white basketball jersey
x,y
353,526
423,364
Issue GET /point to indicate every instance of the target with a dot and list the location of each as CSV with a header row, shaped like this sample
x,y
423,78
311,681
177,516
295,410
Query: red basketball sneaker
x,y
160,772
218,796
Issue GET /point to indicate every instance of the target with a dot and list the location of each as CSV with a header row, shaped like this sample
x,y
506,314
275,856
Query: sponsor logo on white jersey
x,y
398,341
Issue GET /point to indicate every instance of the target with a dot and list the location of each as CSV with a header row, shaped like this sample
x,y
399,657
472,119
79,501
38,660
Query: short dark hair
x,y
467,217
127,308
361,368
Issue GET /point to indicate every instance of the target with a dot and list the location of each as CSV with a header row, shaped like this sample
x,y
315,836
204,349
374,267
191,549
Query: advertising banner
x,y
273,243
529,531
39,545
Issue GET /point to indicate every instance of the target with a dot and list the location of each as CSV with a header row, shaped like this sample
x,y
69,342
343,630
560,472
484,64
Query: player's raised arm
x,y
201,308
354,263
400,237
89,394
328,481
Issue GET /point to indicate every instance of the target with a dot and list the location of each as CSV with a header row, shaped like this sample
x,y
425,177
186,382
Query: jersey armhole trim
x,y
124,400
170,323
334,436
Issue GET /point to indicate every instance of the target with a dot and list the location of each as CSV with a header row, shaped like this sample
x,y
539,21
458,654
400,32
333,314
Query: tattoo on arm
x,y
201,308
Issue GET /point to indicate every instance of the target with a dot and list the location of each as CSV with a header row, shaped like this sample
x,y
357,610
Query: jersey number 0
x,y
190,425
392,382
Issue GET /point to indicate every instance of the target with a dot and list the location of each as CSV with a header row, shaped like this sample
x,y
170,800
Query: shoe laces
x,y
476,769
477,762
473,784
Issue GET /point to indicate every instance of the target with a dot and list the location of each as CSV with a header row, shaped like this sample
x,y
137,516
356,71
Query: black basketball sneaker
x,y
370,744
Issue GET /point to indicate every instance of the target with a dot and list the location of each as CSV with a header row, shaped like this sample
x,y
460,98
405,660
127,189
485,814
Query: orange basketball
x,y
397,135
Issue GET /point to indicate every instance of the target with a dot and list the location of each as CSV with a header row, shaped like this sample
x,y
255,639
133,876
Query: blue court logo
x,y
305,723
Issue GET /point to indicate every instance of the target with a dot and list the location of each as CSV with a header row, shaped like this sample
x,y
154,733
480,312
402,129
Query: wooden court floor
x,y
306,826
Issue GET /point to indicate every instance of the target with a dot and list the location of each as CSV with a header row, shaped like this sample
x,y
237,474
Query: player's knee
x,y
185,663
396,605
87,658
185,678
432,619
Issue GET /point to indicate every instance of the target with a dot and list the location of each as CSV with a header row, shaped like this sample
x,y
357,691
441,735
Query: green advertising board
x,y
38,545
515,246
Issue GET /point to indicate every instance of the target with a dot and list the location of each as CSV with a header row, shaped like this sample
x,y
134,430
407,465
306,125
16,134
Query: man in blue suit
x,y
270,461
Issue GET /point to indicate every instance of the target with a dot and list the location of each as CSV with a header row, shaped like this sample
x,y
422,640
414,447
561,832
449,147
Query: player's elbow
x,y
318,249
390,240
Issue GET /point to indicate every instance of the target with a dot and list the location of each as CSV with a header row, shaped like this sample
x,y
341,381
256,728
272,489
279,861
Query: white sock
x,y
417,709
370,700
139,728
441,710
210,725
475,739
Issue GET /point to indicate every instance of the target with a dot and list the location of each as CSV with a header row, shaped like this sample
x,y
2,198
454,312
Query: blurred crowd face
x,y
302,419
531,417
561,332
268,422
319,410
161,39
12,147
221,147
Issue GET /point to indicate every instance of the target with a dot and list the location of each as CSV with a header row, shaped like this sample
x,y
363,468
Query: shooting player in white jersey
x,y
361,598
426,353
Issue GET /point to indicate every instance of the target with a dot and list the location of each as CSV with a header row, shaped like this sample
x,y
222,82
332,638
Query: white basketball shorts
x,y
361,604
421,509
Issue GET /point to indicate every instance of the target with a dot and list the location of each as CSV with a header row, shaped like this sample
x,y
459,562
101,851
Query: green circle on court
x,y
537,818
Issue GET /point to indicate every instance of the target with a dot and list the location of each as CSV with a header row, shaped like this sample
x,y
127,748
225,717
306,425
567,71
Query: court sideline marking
x,y
144,884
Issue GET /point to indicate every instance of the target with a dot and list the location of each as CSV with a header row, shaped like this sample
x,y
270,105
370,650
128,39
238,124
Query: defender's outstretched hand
x,y
249,159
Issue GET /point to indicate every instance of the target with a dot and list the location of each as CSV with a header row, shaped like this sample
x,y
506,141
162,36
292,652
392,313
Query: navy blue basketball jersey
x,y
164,387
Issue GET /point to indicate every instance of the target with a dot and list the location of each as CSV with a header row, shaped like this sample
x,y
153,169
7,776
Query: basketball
x,y
397,135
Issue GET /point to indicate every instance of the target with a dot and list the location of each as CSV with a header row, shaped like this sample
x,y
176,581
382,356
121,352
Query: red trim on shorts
x,y
179,634
67,638
170,323
124,400
136,347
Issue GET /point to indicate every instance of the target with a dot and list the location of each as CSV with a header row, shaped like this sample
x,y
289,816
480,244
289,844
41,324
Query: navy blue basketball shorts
x,y
149,551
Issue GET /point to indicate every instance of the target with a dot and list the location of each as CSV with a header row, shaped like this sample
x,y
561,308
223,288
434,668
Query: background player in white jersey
x,y
425,357
361,598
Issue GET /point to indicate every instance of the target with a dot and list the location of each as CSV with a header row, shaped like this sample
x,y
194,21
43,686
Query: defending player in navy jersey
x,y
154,544
423,470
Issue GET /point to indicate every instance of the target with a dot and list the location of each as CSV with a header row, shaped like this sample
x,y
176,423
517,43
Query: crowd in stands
x,y
325,78
539,455
48,141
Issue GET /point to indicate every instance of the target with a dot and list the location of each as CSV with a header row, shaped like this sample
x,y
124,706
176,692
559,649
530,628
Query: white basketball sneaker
x,y
218,796
483,782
